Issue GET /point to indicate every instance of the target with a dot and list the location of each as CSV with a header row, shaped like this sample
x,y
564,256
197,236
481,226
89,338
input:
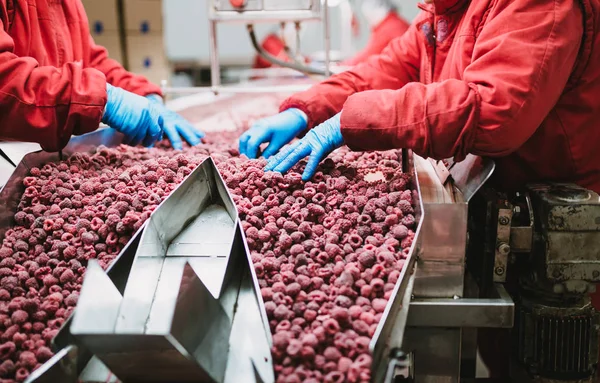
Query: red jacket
x,y
518,80
52,75
387,30
273,45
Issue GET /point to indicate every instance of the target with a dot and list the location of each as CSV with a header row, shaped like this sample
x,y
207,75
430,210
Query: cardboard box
x,y
103,16
146,56
155,75
112,42
143,16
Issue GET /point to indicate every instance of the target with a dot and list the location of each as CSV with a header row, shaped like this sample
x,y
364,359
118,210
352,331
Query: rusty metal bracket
x,y
502,242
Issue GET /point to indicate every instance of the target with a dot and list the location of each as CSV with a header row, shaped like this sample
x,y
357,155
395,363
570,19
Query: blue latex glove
x,y
134,116
317,144
176,126
277,130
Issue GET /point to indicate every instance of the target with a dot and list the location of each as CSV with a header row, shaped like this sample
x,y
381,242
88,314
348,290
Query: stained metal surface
x,y
503,231
568,220
441,263
521,239
436,353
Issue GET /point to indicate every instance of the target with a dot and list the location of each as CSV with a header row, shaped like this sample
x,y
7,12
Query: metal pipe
x,y
276,61
327,39
215,70
238,89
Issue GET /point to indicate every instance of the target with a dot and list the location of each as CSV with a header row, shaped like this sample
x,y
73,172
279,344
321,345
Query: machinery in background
x,y
544,245
250,13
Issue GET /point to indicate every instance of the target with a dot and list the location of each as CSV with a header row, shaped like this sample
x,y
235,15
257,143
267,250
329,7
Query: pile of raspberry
x,y
327,252
85,207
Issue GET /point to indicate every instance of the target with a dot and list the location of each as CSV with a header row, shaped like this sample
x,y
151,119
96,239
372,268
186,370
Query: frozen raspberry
x,y
294,348
331,326
27,359
282,312
367,259
7,367
379,305
377,284
19,317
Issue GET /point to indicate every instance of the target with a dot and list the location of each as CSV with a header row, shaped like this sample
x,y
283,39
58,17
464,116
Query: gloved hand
x,y
317,144
176,126
278,130
134,116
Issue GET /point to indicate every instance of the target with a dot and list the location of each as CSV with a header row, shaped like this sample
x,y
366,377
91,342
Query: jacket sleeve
x,y
117,75
521,63
396,66
46,104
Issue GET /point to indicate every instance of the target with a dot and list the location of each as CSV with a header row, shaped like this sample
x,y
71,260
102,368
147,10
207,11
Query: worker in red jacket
x,y
517,80
385,24
55,82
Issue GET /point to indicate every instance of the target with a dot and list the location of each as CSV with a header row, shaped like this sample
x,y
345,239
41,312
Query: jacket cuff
x,y
88,101
361,125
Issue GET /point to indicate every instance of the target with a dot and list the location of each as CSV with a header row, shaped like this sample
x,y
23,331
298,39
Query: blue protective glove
x,y
134,116
317,144
176,126
277,130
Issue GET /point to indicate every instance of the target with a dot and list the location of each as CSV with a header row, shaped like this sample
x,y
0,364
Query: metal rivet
x,y
503,220
499,270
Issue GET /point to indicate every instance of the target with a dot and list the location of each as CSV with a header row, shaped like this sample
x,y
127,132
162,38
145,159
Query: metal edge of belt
x,y
390,332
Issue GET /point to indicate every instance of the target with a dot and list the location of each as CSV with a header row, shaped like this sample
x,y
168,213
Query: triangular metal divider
x,y
201,325
169,325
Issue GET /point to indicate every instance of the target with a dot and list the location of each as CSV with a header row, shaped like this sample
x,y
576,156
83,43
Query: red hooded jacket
x,y
518,80
52,75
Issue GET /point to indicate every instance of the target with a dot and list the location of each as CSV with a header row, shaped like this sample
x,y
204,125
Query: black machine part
x,y
556,342
544,245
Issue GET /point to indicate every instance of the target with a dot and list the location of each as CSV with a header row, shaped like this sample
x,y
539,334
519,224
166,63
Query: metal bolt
x,y
503,220
504,248
499,270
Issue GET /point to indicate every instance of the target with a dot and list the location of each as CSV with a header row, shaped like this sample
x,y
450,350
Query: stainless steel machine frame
x,y
252,12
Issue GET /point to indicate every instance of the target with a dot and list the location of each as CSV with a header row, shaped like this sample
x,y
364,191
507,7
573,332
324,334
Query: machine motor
x,y
544,245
